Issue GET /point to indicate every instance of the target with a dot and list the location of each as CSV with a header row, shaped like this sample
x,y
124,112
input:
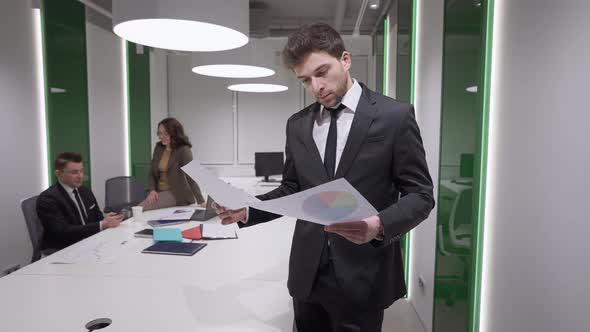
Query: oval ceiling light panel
x,y
257,87
233,71
183,25
256,59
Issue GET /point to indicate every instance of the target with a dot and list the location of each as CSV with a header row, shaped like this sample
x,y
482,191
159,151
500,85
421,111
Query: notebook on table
x,y
148,233
174,248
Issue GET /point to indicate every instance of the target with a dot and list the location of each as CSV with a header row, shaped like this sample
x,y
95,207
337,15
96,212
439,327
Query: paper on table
x,y
223,193
182,214
218,231
92,250
329,203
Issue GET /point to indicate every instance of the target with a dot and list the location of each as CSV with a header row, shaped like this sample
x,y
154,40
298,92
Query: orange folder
x,y
194,233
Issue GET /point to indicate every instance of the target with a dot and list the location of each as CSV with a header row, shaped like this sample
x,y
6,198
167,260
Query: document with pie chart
x,y
332,202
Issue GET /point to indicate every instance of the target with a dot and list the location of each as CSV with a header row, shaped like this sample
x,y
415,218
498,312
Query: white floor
x,y
401,317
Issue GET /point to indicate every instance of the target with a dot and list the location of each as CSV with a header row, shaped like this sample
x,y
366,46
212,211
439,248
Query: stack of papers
x,y
218,231
211,232
180,214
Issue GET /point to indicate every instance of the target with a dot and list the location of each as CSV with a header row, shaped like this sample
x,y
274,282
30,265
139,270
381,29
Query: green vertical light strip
x,y
406,237
484,87
385,54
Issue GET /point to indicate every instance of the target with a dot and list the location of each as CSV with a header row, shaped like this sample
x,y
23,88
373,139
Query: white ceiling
x,y
280,17
284,15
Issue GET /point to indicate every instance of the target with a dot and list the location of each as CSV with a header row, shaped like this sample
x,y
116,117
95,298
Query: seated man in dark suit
x,y
68,211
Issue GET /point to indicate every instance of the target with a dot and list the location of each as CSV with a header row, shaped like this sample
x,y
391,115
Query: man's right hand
x,y
111,220
152,197
228,216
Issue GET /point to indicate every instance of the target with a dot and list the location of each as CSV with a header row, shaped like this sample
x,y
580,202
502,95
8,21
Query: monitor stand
x,y
267,179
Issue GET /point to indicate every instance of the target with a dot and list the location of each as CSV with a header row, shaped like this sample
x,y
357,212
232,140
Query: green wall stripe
x,y
480,189
64,25
139,111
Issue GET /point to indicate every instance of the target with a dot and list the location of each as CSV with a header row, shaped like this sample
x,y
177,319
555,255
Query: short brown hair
x,y
64,158
176,131
311,38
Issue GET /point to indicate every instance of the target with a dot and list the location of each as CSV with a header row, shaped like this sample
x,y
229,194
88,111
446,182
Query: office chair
x,y
454,248
123,192
35,228
460,225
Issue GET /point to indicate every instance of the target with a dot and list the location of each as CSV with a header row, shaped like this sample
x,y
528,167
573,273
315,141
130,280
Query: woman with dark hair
x,y
169,185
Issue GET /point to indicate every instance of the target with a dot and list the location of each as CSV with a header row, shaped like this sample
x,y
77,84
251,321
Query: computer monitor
x,y
268,163
466,165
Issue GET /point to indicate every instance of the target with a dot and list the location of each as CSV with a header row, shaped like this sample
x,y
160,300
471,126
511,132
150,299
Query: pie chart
x,y
330,205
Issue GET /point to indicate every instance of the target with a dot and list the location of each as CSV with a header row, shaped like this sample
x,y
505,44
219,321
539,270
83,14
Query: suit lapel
x,y
68,199
363,117
315,159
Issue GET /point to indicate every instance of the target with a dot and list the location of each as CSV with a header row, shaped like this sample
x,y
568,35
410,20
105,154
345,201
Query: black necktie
x,y
81,207
330,152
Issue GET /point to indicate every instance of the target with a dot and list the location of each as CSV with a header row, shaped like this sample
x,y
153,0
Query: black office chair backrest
x,y
29,207
123,191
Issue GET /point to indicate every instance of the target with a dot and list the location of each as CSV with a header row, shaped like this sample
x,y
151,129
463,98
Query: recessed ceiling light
x,y
373,4
258,87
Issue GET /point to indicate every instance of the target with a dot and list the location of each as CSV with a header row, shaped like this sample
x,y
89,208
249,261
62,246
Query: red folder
x,y
193,233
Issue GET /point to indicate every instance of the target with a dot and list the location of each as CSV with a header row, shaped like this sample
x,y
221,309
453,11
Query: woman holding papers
x,y
169,185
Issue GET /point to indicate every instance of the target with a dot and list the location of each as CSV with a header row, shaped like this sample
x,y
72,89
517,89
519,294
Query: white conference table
x,y
230,285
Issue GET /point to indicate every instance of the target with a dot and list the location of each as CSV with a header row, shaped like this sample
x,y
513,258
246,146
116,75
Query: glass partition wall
x,y
456,204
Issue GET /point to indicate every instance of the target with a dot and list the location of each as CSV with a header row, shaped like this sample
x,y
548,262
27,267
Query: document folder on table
x,y
174,248
167,234
210,232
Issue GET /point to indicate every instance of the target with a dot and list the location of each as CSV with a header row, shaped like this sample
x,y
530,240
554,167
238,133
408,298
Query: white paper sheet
x,y
218,231
333,202
223,193
179,214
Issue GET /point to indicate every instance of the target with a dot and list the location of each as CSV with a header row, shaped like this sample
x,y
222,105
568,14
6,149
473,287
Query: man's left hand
x,y
358,232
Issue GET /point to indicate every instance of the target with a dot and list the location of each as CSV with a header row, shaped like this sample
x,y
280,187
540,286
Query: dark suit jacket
x,y
384,160
182,186
61,220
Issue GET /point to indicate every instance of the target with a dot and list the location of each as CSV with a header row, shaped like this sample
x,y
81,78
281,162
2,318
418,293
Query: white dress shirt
x,y
70,192
321,125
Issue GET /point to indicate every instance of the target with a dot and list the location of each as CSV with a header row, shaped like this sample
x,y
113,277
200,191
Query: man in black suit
x,y
343,276
68,211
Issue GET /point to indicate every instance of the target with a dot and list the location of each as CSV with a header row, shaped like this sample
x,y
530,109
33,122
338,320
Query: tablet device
x,y
205,214
148,232
164,222
174,248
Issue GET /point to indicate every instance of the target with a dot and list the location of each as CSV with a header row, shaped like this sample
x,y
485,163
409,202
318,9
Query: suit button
x,y
392,240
